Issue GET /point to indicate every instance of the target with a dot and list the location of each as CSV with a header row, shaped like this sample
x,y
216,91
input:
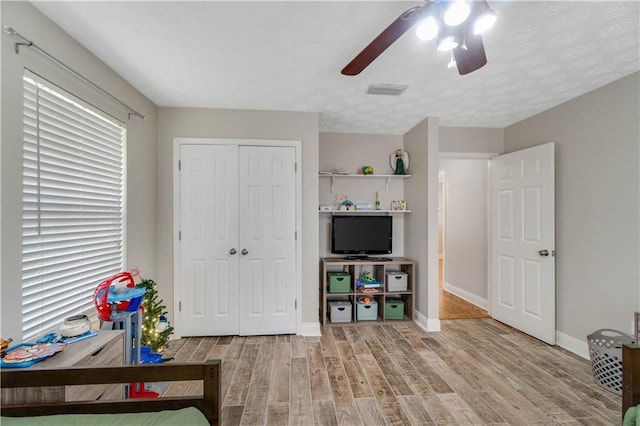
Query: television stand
x,y
386,295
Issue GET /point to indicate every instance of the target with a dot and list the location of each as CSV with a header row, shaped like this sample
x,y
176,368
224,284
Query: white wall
x,y
597,204
421,226
242,124
465,234
471,139
141,145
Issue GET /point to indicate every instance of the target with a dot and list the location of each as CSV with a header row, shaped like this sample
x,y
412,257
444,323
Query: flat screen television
x,y
359,236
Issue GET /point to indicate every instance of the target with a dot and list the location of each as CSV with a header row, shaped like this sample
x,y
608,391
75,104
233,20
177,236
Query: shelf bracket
x,y
386,184
333,181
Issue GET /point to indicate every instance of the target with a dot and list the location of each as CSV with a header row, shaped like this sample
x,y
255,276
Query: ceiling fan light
x,y
446,43
456,12
428,29
484,20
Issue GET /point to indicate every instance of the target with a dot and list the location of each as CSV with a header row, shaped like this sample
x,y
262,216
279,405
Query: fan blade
x,y
471,58
385,39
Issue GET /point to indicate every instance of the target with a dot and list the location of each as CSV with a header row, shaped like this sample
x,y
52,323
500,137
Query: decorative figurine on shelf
x,y
399,162
338,199
367,170
347,205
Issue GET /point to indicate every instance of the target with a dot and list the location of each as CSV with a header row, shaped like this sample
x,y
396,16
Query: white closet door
x,y
267,240
209,232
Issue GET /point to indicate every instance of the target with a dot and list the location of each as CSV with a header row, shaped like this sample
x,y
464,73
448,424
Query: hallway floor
x,y
453,307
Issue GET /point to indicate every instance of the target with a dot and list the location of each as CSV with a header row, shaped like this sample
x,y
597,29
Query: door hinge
x,y
295,167
179,306
179,235
295,235
295,304
179,165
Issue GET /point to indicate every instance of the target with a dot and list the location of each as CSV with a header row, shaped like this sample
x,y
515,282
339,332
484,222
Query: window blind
x,y
73,204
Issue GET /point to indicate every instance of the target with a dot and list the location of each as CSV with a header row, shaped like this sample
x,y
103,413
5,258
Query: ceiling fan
x,y
458,24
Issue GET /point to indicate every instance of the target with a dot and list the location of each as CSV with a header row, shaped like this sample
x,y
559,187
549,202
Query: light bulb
x,y
428,29
484,21
446,43
456,13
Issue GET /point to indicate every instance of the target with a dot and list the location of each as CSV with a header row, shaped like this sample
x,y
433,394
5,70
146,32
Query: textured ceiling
x,y
288,55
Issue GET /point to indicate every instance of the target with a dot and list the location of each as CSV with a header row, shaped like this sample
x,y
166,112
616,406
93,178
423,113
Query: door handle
x,y
232,251
244,251
543,253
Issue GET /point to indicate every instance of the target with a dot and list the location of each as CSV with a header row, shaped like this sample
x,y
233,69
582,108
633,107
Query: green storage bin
x,y
394,309
339,282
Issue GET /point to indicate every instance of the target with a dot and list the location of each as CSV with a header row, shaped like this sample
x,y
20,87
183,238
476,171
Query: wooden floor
x,y
453,307
473,372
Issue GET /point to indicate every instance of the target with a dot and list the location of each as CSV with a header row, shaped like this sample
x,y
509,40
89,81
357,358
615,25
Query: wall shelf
x,y
387,178
363,212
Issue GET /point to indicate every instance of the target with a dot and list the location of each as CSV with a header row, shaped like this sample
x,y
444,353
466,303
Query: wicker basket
x,y
605,351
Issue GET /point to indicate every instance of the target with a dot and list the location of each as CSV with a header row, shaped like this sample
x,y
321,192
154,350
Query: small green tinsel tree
x,y
156,328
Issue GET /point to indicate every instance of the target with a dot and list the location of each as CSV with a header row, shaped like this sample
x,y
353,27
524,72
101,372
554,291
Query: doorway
x,y
463,239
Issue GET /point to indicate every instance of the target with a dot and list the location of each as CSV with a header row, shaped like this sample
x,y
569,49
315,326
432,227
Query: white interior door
x,y
209,236
523,241
267,240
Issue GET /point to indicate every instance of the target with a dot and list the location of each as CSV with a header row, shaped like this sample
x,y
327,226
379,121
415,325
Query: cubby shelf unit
x,y
380,270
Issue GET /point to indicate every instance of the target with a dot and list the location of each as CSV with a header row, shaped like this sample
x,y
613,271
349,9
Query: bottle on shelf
x,y
377,201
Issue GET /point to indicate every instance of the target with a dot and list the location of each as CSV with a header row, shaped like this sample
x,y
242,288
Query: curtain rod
x,y
28,43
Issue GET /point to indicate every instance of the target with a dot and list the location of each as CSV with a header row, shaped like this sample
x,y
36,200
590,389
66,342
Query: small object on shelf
x,y
339,282
75,326
325,208
340,311
398,205
364,207
347,205
4,344
377,201
26,354
367,170
396,281
399,162
367,309
394,309
88,334
368,290
367,280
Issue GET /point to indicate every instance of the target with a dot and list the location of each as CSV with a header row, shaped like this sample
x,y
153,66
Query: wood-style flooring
x,y
472,372
453,307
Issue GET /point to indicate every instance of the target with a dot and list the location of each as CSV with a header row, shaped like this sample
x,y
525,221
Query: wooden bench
x,y
208,372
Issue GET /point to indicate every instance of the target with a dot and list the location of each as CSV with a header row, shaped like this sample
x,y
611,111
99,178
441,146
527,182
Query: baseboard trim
x,y
465,295
309,329
425,323
572,344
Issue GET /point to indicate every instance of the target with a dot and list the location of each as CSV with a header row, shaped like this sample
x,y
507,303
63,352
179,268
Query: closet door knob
x,y
544,253
232,251
244,251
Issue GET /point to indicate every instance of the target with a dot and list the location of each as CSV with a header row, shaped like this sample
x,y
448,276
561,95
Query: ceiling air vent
x,y
386,89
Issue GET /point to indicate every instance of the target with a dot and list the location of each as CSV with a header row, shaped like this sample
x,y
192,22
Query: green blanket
x,y
631,417
187,416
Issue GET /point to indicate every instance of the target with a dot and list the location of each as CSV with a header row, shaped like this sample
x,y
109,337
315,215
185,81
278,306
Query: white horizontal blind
x,y
72,205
